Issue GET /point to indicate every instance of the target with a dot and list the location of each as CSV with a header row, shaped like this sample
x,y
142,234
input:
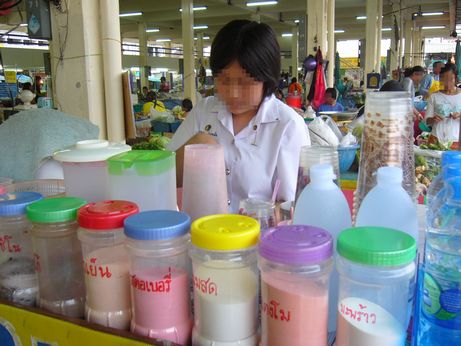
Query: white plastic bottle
x,y
322,204
389,205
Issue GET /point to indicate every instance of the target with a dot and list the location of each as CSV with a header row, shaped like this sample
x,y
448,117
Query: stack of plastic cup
x,y
145,177
204,183
85,168
387,140
314,155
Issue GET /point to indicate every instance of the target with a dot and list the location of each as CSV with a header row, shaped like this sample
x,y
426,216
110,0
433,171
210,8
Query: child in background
x,y
330,104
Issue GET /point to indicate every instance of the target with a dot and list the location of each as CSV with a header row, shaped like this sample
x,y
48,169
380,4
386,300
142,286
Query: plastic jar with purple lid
x,y
295,263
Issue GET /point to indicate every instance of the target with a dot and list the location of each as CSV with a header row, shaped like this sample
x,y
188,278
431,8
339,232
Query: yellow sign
x,y
20,327
10,76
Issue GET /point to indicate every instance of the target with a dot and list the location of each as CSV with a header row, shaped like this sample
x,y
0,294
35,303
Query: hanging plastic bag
x,y
322,134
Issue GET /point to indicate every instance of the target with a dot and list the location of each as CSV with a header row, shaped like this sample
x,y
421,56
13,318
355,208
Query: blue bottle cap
x,y
14,204
157,225
450,157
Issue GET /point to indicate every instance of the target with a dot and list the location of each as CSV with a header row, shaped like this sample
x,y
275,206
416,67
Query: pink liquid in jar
x,y
161,304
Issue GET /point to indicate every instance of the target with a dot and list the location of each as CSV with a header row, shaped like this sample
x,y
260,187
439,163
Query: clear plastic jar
x,y
376,286
18,282
106,262
58,255
157,242
226,280
295,264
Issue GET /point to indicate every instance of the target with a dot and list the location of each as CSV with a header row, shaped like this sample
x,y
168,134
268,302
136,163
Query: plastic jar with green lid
x,y
58,255
376,286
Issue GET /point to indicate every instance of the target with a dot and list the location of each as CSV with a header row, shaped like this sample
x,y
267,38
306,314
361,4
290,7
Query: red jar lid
x,y
105,215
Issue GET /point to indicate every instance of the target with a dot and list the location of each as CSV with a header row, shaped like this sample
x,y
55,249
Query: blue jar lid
x,y
14,204
157,225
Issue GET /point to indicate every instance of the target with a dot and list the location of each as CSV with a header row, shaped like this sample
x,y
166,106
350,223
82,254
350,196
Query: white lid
x,y
90,151
390,175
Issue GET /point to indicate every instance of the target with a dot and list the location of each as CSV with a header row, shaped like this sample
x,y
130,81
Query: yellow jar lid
x,y
225,232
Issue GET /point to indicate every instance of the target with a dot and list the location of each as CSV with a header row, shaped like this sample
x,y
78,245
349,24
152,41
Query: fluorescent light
x,y
361,17
339,31
152,30
261,3
433,27
199,27
287,34
432,14
386,29
130,14
296,21
204,38
197,8
163,40
23,24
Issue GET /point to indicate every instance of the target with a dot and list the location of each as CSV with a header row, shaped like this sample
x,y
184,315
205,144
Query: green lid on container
x,y
55,209
376,246
144,162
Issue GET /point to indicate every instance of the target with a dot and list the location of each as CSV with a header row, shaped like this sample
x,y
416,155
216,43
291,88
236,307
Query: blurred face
x,y
438,68
329,99
417,77
448,79
238,90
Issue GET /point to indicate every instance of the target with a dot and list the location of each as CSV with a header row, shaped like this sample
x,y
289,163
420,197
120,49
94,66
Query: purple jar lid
x,y
296,244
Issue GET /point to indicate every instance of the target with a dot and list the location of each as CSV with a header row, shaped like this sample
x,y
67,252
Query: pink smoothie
x,y
161,304
293,313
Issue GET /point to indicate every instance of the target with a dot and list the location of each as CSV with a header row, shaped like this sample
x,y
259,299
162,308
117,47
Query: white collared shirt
x,y
264,151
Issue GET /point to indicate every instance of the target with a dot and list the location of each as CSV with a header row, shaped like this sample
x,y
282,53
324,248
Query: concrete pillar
x,y
331,43
256,17
294,52
418,58
371,34
394,63
112,63
316,25
401,32
187,17
142,36
379,35
77,62
408,51
200,47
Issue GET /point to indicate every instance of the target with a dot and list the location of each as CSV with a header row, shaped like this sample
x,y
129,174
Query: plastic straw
x,y
276,190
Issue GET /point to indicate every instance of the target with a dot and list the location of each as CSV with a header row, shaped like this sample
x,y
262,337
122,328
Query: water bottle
x,y
322,204
389,205
449,171
448,157
440,312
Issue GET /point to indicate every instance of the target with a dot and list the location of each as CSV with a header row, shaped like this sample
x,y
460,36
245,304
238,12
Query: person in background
x,y
444,107
431,82
186,105
164,85
413,78
330,104
143,94
279,95
152,103
261,136
295,87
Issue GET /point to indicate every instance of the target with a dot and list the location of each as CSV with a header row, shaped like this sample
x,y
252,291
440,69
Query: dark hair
x,y
162,79
391,85
151,96
187,105
408,72
26,86
293,80
450,67
331,92
417,69
436,63
254,46
144,87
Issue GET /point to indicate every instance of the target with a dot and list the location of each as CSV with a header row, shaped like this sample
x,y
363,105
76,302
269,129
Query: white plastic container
x,y
225,280
389,205
322,204
85,168
106,262
376,286
145,177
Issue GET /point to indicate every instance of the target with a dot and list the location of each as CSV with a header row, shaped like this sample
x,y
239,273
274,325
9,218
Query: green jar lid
x,y
144,162
55,209
376,246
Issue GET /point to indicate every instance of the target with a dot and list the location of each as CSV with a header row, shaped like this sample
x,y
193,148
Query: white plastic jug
x,y
322,204
389,205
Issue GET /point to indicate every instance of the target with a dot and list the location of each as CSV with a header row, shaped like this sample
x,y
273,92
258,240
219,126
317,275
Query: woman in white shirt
x,y
444,107
261,136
